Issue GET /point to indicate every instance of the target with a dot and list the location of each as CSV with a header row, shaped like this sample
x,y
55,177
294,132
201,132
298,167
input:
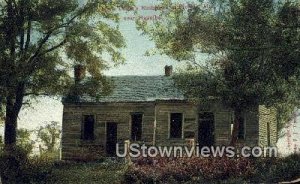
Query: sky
x,y
137,45
46,109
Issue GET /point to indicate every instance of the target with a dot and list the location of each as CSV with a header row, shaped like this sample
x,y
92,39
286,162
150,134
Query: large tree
x,y
41,40
252,47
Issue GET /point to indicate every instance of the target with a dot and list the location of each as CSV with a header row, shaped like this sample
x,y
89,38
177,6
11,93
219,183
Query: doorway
x,y
111,138
206,129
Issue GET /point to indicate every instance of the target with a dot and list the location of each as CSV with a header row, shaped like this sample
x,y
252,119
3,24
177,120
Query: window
x,y
87,130
176,125
136,126
241,134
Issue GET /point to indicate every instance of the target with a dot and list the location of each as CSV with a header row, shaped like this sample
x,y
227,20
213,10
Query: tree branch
x,y
43,41
48,35
21,26
28,37
19,97
54,47
36,94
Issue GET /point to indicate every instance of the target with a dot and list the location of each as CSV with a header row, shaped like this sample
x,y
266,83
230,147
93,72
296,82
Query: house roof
x,y
140,89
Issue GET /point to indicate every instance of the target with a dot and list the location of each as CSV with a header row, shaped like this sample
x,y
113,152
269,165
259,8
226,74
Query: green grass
x,y
41,170
86,173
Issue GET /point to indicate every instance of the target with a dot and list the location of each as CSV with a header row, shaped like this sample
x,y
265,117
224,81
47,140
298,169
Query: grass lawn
x,y
163,170
87,173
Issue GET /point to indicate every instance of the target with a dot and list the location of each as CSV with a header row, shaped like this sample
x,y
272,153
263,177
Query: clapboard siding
x,y
155,125
107,112
222,126
163,111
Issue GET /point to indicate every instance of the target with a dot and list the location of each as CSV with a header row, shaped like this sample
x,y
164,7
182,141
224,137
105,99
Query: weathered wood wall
x,y
155,126
73,146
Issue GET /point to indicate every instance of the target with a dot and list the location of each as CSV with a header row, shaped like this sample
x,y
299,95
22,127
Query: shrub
x,y
279,169
50,155
166,170
11,165
17,167
89,153
213,170
38,169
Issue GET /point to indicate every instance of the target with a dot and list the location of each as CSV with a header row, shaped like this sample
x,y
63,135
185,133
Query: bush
x,y
17,167
278,169
89,153
213,170
12,162
38,169
51,156
166,170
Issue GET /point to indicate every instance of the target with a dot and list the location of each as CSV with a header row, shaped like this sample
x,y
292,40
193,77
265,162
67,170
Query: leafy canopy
x,y
41,40
251,49
244,53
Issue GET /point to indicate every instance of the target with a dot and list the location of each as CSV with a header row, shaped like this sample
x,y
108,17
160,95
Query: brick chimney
x,y
79,72
168,70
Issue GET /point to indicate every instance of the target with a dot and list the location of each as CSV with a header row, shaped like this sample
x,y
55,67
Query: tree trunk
x,y
10,131
13,107
14,102
236,126
13,96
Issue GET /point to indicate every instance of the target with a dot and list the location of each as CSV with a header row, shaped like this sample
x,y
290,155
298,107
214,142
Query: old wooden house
x,y
151,110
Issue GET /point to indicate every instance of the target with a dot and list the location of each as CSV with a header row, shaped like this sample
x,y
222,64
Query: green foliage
x,y
277,170
159,170
251,50
284,114
49,136
1,144
41,41
37,170
181,170
24,141
90,153
72,172
19,168
2,113
213,170
51,35
12,163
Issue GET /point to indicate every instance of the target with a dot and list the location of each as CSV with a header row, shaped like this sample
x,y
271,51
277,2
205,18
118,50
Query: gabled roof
x,y
140,89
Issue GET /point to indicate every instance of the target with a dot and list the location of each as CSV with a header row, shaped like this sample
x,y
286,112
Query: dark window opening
x,y
176,125
136,126
241,134
206,129
87,132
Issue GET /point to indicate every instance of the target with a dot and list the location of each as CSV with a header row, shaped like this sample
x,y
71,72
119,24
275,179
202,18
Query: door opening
x,y
206,129
111,138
